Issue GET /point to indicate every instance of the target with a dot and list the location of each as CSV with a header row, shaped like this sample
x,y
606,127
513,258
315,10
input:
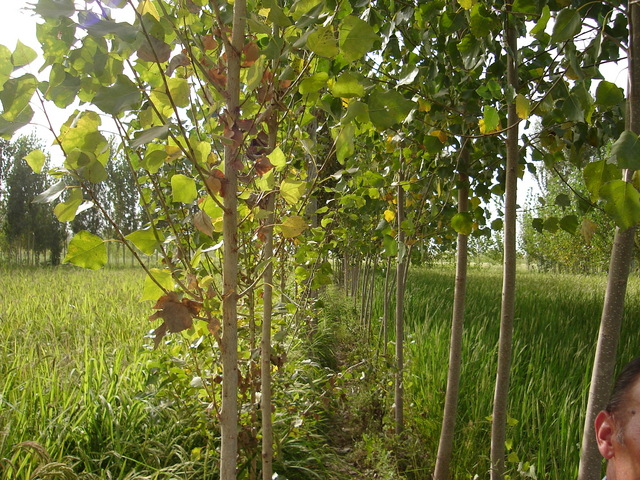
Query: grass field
x,y
75,389
557,320
81,389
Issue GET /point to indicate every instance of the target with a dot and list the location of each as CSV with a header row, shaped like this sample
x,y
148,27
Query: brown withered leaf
x,y
247,125
218,76
250,54
216,182
192,281
263,165
180,60
234,134
202,222
209,43
154,50
192,7
177,315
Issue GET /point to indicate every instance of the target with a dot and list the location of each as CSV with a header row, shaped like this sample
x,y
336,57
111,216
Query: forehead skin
x,y
625,441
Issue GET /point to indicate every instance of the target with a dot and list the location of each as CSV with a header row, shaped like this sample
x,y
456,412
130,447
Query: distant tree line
x,y
30,232
563,230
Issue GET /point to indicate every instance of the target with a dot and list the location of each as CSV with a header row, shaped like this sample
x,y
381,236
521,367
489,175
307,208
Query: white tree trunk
x,y
499,426
621,258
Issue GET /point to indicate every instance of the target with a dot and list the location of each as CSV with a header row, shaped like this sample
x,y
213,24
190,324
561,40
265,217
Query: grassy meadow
x,y
83,394
556,327
76,380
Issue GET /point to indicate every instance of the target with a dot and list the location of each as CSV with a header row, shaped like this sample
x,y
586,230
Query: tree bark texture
x,y
498,429
265,345
229,347
399,381
445,446
620,263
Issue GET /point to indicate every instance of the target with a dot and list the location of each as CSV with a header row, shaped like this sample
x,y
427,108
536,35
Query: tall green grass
x,y
74,388
555,333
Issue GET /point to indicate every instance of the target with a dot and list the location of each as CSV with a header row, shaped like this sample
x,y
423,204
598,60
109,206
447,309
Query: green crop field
x,y
79,390
76,383
556,327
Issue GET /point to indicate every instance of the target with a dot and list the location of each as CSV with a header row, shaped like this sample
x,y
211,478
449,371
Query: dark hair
x,y
627,378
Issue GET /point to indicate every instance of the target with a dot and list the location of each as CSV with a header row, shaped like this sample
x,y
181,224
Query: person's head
x,y
618,426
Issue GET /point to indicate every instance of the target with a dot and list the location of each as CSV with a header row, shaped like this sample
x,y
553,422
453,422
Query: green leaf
x,y
356,38
66,211
551,224
55,8
569,223
293,226
183,188
151,290
86,250
94,172
313,83
491,118
120,97
563,200
16,96
6,66
292,190
542,22
356,110
149,135
626,150
596,174
390,246
323,42
526,6
462,223
277,159
480,24
344,141
347,85
608,94
622,203
388,108
179,91
572,109
23,55
538,224
567,25
35,160
145,240
51,193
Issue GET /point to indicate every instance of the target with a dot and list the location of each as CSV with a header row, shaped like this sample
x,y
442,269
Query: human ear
x,y
604,434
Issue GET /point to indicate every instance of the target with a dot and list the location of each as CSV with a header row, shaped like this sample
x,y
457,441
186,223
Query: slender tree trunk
x,y
385,307
445,447
229,347
267,301
499,426
399,381
619,266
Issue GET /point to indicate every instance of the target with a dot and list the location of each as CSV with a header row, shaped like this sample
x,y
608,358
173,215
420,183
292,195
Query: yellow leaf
x,y
147,7
483,129
389,216
523,106
467,4
440,135
588,229
293,226
424,106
